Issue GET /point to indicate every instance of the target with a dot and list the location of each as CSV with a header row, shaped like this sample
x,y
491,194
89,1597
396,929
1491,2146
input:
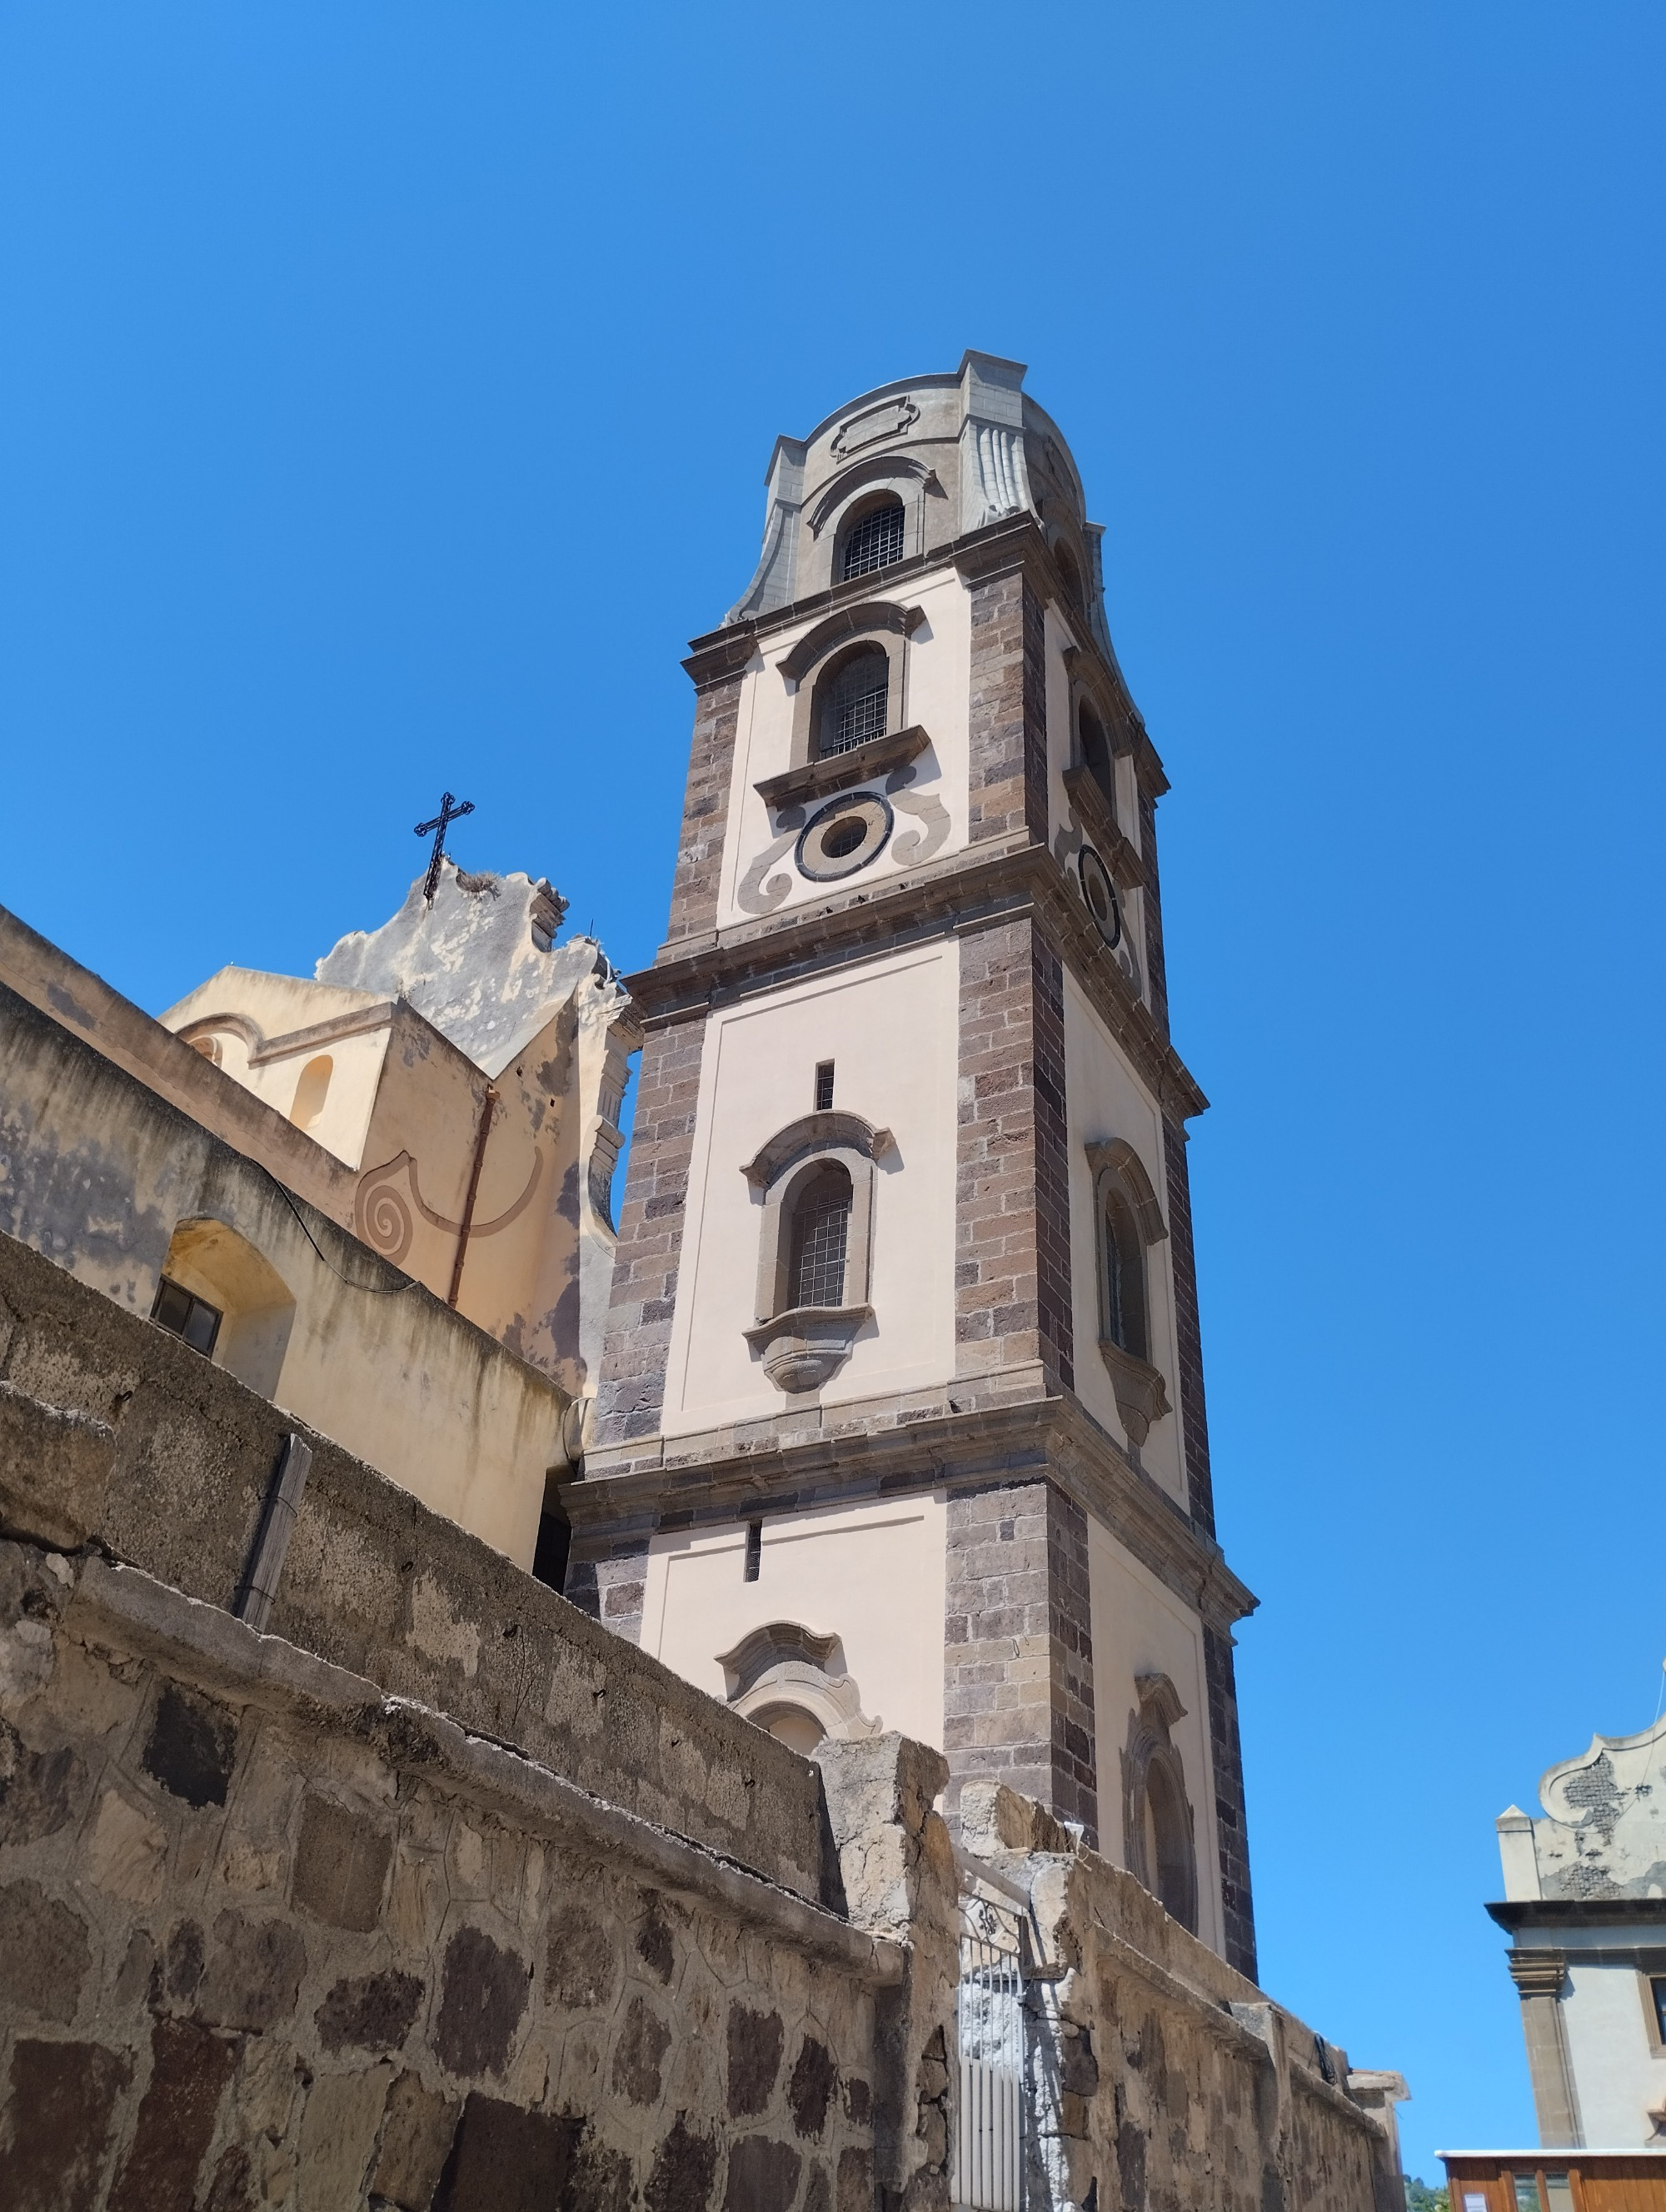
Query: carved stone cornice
x,y
724,654
798,787
793,1461
863,618
1537,1973
968,891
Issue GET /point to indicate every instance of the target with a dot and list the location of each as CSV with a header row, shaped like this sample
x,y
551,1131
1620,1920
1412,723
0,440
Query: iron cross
x,y
449,811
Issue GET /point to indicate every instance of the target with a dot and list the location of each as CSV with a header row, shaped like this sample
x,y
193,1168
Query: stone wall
x,y
1012,1300
437,1896
271,1936
637,1342
1158,2076
1018,1685
115,1435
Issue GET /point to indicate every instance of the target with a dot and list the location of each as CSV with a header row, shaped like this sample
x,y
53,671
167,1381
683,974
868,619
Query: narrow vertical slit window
x,y
824,1086
754,1550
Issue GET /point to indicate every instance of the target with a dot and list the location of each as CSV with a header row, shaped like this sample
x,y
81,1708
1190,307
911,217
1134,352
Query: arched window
x,y
1168,1841
311,1091
1071,574
793,1682
1095,750
1158,1830
874,541
1128,1222
1125,1276
853,701
790,1724
821,1237
816,1180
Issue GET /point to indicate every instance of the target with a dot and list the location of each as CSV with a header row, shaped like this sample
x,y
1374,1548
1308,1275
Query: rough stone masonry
x,y
439,1896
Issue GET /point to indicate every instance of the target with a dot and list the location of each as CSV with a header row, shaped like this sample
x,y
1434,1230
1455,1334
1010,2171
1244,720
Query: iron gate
x,y
989,2126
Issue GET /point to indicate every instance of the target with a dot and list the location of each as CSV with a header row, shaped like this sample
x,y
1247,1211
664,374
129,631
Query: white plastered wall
x,y
890,1027
1617,2074
1105,1099
938,660
872,1574
1140,1627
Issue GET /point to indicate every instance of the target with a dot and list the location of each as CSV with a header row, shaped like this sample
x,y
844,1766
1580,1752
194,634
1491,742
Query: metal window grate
x,y
821,1229
875,543
854,706
859,719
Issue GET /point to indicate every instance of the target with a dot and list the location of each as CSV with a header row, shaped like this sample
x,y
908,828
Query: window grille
x,y
821,1230
875,543
855,706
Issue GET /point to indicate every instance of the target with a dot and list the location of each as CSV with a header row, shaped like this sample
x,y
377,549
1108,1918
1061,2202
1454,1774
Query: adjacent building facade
x,y
900,1421
1584,1901
378,1196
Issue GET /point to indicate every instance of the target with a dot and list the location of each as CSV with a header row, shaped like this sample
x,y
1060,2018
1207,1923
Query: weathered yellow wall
x,y
100,1174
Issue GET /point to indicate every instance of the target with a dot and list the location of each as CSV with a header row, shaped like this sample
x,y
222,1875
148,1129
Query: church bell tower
x,y
901,1417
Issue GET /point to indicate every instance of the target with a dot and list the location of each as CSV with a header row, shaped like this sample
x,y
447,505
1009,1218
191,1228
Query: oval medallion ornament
x,y
1100,893
844,837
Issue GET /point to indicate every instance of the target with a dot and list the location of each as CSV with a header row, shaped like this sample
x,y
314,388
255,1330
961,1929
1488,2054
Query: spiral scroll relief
x,y
381,1210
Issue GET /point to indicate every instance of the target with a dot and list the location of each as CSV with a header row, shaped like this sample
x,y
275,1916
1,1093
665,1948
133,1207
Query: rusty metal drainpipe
x,y
468,1203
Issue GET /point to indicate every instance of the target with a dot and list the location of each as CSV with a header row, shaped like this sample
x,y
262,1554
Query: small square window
x,y
185,1315
825,1100
1527,2192
1559,2196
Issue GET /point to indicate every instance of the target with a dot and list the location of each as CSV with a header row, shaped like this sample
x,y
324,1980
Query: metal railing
x,y
989,2011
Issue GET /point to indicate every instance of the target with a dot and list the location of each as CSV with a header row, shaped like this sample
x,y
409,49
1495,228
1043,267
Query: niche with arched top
x,y
210,1266
1096,755
1158,1826
311,1091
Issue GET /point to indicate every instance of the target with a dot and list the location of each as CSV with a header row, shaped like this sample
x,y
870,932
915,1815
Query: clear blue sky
x,y
386,397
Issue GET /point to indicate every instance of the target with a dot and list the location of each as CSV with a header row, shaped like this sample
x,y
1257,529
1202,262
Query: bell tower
x,y
901,1419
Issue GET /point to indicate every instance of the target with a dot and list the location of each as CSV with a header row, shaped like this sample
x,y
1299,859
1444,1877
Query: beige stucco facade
x,y
872,1575
475,1094
888,1029
394,1218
